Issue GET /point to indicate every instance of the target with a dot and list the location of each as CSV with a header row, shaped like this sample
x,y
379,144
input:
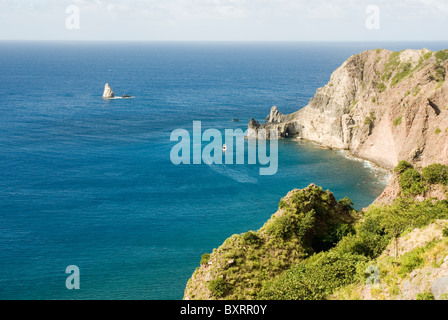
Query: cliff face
x,y
381,105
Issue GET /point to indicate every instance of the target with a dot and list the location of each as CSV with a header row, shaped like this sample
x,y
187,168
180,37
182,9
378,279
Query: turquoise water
x,y
89,182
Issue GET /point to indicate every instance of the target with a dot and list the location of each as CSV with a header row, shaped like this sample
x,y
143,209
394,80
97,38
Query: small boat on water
x,y
224,147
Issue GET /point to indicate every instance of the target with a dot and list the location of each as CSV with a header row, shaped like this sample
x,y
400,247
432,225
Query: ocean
x,y
89,182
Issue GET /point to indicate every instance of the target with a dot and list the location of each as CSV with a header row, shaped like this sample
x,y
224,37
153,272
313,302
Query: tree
x,y
395,222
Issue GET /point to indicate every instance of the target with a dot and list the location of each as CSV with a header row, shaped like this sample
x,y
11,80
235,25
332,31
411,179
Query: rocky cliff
x,y
382,106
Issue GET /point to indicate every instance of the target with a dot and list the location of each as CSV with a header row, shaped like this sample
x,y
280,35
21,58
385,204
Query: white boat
x,y
224,147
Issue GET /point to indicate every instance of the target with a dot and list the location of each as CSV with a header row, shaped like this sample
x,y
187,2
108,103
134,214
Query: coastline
x,y
384,175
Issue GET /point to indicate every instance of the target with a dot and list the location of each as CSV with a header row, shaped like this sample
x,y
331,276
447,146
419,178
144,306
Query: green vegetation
x,y
218,287
354,103
396,71
411,183
381,87
251,238
370,119
309,221
437,131
373,99
397,121
442,55
411,260
436,173
391,65
427,55
445,232
415,91
402,166
315,278
404,71
205,258
425,296
315,247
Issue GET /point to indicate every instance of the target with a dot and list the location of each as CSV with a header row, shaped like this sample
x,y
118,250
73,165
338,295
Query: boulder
x,y
440,287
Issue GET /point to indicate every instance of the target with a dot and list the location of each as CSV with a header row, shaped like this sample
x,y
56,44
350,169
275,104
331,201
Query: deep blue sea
x,y
89,182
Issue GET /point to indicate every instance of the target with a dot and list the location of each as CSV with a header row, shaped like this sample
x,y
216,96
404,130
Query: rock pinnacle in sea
x,y
108,93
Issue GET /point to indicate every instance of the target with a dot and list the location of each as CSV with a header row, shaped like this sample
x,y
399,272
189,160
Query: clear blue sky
x,y
225,20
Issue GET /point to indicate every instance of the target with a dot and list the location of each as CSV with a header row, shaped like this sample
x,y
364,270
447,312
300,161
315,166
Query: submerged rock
x,y
108,93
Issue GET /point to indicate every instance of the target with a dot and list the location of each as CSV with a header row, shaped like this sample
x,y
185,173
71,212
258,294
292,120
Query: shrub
x,y
283,205
425,296
251,237
402,166
381,87
315,278
205,258
427,55
382,223
411,182
445,232
370,119
370,238
437,131
406,70
346,203
334,234
391,65
442,55
218,287
397,121
411,260
282,227
436,173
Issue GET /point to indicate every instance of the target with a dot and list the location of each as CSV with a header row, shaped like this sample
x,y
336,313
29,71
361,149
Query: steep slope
x,y
381,105
308,220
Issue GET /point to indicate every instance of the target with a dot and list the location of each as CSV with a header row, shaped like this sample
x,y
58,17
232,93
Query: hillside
x,y
382,106
315,247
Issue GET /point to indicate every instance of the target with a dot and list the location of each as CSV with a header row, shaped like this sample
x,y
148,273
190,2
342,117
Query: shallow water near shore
x,y
89,182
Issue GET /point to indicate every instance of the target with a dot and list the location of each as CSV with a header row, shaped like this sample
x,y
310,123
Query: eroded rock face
x,y
275,116
108,93
382,106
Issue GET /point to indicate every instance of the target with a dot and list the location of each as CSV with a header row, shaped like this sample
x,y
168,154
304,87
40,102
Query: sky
x,y
225,20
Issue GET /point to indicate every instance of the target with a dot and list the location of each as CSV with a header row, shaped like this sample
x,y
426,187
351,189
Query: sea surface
x,y
89,182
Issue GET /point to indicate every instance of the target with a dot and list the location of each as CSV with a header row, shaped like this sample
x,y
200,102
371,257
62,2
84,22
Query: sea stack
x,y
108,93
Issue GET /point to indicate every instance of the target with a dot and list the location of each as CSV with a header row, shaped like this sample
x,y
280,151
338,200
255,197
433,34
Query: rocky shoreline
x,y
380,105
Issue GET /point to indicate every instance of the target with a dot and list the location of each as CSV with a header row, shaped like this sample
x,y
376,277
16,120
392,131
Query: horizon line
x,y
226,41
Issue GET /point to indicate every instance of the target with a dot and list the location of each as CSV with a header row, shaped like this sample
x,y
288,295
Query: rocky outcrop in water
x,y
382,106
108,93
